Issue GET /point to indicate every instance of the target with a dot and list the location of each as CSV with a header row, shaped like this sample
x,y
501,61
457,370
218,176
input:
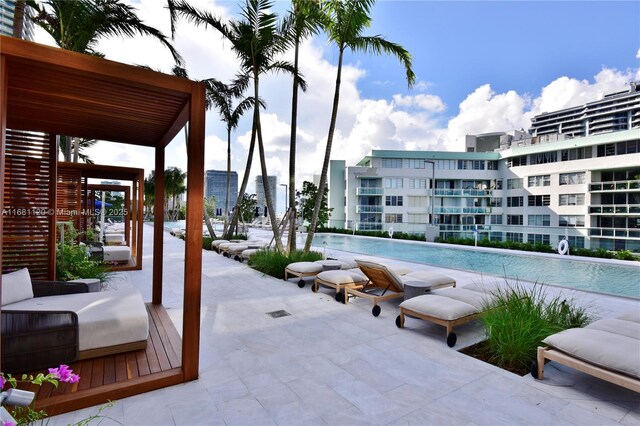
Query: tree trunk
x,y
233,223
207,222
76,149
327,157
291,241
226,201
67,149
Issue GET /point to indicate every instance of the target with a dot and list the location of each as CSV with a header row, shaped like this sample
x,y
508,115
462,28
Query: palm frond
x,y
379,45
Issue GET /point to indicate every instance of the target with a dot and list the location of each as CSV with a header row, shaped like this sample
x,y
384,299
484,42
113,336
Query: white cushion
x,y
633,315
246,254
304,267
618,326
330,264
16,286
116,253
476,299
342,277
237,248
105,318
608,350
429,279
216,243
440,307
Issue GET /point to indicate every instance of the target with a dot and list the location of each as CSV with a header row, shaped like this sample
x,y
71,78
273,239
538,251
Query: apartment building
x,y
14,21
261,198
507,186
215,185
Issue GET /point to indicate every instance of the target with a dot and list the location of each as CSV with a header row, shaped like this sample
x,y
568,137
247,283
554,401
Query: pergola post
x,y
158,227
4,83
193,240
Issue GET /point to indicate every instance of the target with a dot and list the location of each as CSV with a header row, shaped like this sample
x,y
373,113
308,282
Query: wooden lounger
x,y
608,349
338,280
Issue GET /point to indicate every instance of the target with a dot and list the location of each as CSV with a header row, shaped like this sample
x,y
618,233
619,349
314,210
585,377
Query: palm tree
x,y
78,144
149,192
174,186
304,21
346,20
221,96
78,25
257,42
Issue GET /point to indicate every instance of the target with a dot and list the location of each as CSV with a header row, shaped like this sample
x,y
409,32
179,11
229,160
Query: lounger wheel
x,y
534,369
452,339
301,283
398,322
314,287
225,254
376,311
238,258
339,297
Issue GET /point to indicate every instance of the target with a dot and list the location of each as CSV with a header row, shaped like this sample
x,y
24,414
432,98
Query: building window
x,y
576,153
492,165
417,184
393,200
470,164
541,180
514,183
620,148
446,164
393,183
539,220
392,163
498,184
571,220
517,161
543,158
539,200
514,236
417,164
495,202
572,178
538,238
393,217
571,200
496,219
515,201
514,219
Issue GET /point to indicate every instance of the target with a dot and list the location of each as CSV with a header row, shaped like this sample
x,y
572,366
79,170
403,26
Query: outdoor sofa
x,y
608,349
48,323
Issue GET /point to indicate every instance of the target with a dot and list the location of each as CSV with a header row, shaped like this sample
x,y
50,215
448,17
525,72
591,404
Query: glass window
x,y
571,220
417,184
417,164
393,218
539,220
515,201
393,183
538,238
514,183
393,200
495,202
572,178
541,180
514,236
539,200
392,163
514,219
571,200
496,219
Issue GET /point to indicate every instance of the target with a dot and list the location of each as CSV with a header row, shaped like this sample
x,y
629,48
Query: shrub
x,y
625,255
206,243
522,317
272,263
72,260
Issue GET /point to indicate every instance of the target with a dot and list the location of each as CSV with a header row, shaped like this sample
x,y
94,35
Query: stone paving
x,y
331,364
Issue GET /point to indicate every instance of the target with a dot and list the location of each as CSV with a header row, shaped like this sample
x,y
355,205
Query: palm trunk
x,y
233,223
327,157
67,148
263,168
226,201
76,149
291,242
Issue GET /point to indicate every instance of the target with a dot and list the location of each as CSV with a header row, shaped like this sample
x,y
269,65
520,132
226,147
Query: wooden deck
x,y
118,376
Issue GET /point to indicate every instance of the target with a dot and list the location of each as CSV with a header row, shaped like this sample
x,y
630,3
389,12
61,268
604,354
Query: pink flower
x,y
1,382
64,374
8,423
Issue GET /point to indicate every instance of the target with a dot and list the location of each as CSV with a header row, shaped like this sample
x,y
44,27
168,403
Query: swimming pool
x,y
584,275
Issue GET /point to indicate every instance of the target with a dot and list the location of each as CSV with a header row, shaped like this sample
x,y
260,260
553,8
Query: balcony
x,y
615,209
369,191
465,228
614,232
363,226
621,185
463,192
462,210
368,209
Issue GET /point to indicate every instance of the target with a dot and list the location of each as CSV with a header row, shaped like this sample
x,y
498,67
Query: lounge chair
x,y
608,349
311,269
216,243
338,280
385,283
448,307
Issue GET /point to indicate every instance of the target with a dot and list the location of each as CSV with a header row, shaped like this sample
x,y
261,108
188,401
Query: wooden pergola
x,y
57,92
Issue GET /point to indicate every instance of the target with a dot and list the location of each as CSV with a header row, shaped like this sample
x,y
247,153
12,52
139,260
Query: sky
x,y
481,66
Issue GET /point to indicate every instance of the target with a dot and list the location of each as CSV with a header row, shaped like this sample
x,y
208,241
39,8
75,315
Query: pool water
x,y
583,275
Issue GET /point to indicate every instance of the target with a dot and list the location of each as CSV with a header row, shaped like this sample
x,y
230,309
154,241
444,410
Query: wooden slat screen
x,y
69,193
28,204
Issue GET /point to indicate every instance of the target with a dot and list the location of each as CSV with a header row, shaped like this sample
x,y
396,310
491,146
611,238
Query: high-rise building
x,y
14,21
614,112
261,199
506,187
215,185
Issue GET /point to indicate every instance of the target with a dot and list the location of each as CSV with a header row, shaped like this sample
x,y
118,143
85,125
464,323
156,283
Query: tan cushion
x,y
116,253
330,264
618,326
440,307
237,248
216,243
478,300
16,286
430,278
608,350
304,267
246,254
342,277
633,315
348,263
105,318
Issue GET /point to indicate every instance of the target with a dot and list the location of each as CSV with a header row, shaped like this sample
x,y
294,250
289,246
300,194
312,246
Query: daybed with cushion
x,y
608,349
448,307
311,269
47,323
386,283
338,280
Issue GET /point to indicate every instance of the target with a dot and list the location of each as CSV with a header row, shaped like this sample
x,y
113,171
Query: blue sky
x,y
482,67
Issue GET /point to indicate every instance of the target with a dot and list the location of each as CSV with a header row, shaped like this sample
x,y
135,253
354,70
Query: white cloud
x,y
638,54
430,103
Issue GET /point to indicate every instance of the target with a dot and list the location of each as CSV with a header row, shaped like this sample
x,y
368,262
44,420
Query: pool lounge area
x,y
327,363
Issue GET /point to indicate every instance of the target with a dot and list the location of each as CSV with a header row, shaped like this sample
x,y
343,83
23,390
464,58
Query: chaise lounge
x,y
608,349
385,283
47,323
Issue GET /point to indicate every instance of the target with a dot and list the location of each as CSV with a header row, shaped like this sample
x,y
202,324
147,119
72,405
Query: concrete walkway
x,y
327,363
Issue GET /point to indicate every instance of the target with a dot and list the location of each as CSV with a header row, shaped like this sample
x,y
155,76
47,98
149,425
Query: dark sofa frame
x,y
33,340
